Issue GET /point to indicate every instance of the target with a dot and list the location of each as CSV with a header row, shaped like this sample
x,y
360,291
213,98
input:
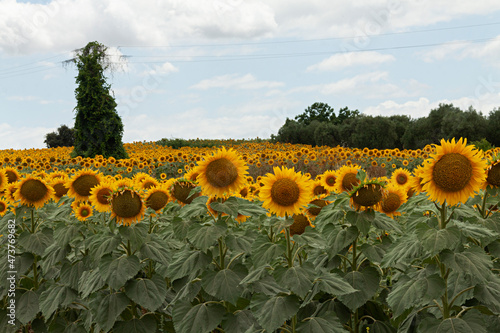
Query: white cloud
x,y
235,81
22,137
347,59
22,98
164,69
461,50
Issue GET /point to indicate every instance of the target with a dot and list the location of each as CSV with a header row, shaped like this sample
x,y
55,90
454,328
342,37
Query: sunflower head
x,y
328,180
83,211
346,178
299,225
80,184
156,198
180,190
127,206
454,173
33,192
3,180
493,173
12,174
223,172
4,207
101,194
315,207
285,191
393,198
368,194
59,186
401,177
318,188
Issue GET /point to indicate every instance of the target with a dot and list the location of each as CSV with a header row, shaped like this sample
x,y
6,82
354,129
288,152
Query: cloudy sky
x,y
239,68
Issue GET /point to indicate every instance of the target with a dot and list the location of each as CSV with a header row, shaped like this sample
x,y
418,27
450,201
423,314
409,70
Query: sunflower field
x,y
251,237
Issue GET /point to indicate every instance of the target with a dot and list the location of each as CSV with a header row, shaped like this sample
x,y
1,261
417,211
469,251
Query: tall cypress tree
x,y
98,127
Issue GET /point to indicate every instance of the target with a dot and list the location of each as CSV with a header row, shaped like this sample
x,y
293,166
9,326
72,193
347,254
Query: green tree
x,y
321,112
493,128
98,127
63,137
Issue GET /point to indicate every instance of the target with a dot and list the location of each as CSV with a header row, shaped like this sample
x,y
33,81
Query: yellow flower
x,y
4,207
100,195
80,184
328,180
401,177
127,206
394,197
223,172
299,225
285,191
83,211
156,198
33,192
454,173
368,194
346,178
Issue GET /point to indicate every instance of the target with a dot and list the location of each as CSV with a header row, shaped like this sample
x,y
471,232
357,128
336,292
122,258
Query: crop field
x,y
236,236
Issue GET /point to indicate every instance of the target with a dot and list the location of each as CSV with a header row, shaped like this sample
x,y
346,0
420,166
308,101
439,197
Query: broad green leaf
x,y
328,323
366,282
89,282
205,236
201,318
109,308
224,284
404,250
102,244
415,292
450,325
23,262
489,293
196,208
27,307
272,312
267,285
37,242
146,324
264,251
494,248
54,297
375,253
117,271
457,283
75,327
155,250
330,283
230,206
249,208
381,327
149,293
297,279
70,274
311,238
476,231
239,322
339,238
434,240
64,234
238,242
362,220
181,227
187,262
384,222
472,262
188,292
135,234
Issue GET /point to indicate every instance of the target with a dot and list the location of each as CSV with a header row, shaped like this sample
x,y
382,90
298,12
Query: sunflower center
x,y
126,204
148,184
368,195
452,172
83,184
330,180
318,189
60,189
84,212
401,179
315,210
494,175
11,176
285,192
300,222
3,207
391,203
157,200
221,172
33,190
181,192
103,195
349,181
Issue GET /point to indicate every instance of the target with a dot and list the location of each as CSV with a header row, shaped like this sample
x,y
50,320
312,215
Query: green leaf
x,y
415,292
374,253
239,322
366,282
311,238
181,227
188,292
327,323
476,231
54,297
37,242
155,250
196,208
149,293
489,293
472,262
457,283
27,307
102,244
404,250
70,274
362,220
267,285
264,251
64,234
384,222
238,242
89,282
224,284
205,236
339,238
297,279
272,312
434,241
249,208
450,325
334,284
381,327
117,271
109,308
135,233
74,328
230,206
188,262
146,324
201,318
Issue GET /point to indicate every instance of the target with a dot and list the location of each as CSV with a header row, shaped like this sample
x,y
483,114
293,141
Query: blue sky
x,y
237,69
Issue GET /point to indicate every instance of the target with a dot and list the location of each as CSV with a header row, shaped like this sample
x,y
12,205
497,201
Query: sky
x,y
220,69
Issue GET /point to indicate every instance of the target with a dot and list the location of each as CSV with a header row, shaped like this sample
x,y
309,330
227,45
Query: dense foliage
x,y
63,137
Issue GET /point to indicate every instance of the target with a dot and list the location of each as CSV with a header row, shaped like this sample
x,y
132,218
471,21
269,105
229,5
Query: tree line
x,y
318,125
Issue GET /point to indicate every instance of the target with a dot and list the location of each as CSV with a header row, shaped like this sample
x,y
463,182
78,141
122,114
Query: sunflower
x,y
3,180
454,173
215,199
83,211
127,206
180,190
12,174
416,183
191,175
328,180
4,207
223,172
315,207
401,177
59,186
299,225
80,184
33,192
368,194
493,173
318,188
156,198
346,178
394,197
100,195
285,191
10,190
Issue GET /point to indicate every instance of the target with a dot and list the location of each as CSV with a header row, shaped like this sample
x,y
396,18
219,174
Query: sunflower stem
x,y
221,253
443,220
294,323
483,206
289,249
35,273
32,221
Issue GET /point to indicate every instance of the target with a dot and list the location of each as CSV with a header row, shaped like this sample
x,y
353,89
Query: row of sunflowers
x,y
326,241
